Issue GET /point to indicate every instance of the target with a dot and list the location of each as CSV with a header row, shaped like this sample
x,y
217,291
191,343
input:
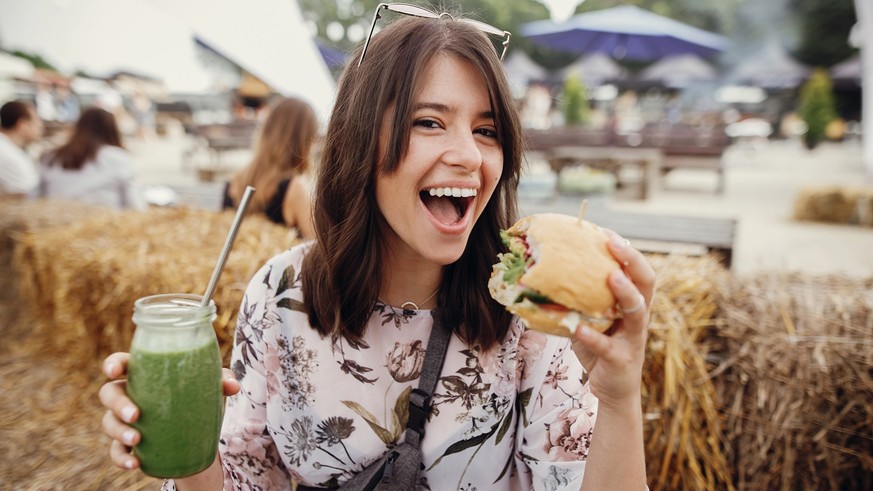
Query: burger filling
x,y
513,264
508,290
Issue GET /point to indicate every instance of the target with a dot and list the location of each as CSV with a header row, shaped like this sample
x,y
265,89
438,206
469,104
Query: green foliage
x,y
508,15
704,14
817,107
824,30
36,60
575,101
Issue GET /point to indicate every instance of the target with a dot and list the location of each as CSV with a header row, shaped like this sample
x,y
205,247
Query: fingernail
x,y
127,413
109,369
129,464
585,331
128,437
619,243
622,279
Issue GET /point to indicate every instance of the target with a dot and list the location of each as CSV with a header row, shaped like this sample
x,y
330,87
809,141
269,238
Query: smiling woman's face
x,y
451,167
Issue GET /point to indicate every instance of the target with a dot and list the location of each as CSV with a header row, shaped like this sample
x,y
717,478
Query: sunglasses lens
x,y
402,8
484,27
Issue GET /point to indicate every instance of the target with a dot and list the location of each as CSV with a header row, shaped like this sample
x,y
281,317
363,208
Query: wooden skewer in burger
x,y
555,274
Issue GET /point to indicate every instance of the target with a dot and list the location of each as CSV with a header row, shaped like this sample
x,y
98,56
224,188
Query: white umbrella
x,y
849,70
268,38
679,71
595,69
770,68
521,69
156,38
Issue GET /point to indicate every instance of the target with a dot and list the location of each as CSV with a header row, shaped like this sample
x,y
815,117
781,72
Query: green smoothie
x,y
179,396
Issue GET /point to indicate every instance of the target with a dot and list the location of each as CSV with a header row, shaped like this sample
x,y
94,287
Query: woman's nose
x,y
463,152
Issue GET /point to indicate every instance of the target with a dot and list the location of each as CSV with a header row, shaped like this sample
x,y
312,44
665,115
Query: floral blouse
x,y
517,416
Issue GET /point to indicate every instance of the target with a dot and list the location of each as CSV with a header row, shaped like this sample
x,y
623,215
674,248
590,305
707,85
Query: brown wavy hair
x,y
343,270
283,149
96,127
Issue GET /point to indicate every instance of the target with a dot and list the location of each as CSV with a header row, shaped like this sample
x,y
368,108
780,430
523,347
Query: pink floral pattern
x,y
318,410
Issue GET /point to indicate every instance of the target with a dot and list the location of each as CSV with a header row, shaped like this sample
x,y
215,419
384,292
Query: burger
x,y
555,274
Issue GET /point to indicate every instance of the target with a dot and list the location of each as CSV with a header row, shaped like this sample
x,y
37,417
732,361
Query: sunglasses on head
x,y
416,11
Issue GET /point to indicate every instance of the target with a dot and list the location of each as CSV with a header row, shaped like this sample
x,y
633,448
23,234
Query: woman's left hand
x,y
614,362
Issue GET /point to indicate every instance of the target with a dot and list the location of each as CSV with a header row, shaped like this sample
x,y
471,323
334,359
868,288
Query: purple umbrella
x,y
625,32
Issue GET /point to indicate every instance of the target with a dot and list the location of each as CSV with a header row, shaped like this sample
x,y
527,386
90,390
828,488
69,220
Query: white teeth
x,y
453,192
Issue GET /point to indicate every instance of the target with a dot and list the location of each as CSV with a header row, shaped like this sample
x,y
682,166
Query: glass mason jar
x,y
174,377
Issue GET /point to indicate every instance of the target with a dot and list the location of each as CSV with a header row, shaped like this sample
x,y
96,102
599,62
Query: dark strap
x,y
420,398
399,468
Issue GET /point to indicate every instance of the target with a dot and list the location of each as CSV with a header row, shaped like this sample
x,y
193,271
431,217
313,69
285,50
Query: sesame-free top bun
x,y
572,262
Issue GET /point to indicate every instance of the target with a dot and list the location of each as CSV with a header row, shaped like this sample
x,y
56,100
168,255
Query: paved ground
x,y
761,185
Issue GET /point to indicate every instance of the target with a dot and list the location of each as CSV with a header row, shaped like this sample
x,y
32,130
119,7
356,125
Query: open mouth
x,y
448,205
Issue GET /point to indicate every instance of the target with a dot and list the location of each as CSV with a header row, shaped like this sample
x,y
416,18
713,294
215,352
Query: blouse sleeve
x,y
557,418
248,454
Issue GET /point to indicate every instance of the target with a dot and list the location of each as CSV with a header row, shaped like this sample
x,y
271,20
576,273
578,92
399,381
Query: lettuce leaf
x,y
514,261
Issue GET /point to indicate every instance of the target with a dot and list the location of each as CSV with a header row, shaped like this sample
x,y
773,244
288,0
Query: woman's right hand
x,y
121,411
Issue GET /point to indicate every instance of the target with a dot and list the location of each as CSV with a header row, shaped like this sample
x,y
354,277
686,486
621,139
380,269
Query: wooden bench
x,y
611,159
665,233
221,141
682,146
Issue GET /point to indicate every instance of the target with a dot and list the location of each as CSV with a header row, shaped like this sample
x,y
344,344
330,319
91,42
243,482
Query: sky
x,y
156,38
561,10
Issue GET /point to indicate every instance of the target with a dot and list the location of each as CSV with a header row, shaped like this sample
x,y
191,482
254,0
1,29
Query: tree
x,y
823,38
704,14
344,24
575,101
36,60
817,107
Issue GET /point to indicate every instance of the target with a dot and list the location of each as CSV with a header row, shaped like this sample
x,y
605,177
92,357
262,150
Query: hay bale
x,y
19,217
50,427
749,383
835,204
82,279
684,448
795,381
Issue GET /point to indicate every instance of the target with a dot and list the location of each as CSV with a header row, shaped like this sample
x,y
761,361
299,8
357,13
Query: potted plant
x,y
817,108
575,101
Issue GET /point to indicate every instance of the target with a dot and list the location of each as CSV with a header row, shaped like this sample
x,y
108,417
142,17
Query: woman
x,y
277,171
322,382
92,166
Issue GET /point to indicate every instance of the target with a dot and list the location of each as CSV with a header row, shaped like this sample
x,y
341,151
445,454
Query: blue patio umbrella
x,y
332,57
625,32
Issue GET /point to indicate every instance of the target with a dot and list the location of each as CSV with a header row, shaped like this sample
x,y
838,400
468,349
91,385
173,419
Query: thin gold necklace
x,y
410,305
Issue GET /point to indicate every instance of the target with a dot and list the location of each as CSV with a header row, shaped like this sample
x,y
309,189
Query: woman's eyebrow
x,y
436,106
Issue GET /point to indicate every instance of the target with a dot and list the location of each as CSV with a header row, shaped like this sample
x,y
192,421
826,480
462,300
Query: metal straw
x,y
228,243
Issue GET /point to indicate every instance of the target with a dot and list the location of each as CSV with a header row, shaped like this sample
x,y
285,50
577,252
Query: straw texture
x,y
835,204
83,278
752,383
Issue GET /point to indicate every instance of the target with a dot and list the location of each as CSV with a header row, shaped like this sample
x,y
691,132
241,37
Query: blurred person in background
x,y
67,105
92,166
19,127
282,158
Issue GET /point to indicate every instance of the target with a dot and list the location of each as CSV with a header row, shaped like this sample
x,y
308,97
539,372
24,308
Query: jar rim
x,y
172,310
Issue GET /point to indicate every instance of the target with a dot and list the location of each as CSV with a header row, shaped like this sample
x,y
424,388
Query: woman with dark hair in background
x,y
92,166
278,169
